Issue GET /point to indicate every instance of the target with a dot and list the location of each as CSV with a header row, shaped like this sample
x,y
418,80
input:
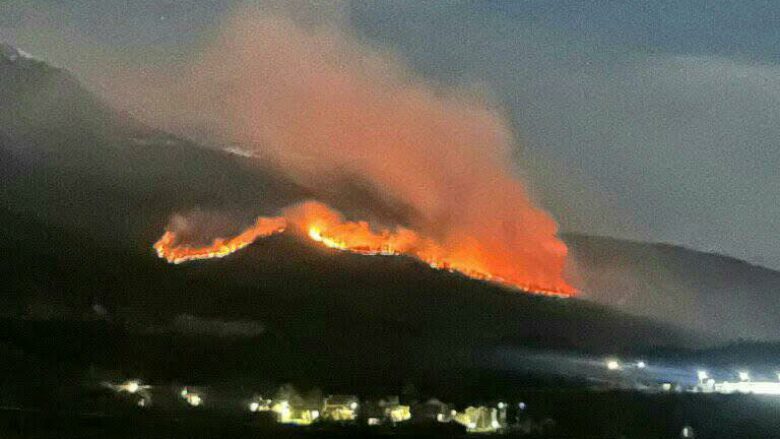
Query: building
x,y
340,408
285,411
757,387
433,410
387,410
480,419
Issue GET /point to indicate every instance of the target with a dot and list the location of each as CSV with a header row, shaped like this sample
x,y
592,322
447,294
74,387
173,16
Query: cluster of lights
x,y
135,388
614,364
744,384
285,412
476,419
192,398
743,375
483,419
131,386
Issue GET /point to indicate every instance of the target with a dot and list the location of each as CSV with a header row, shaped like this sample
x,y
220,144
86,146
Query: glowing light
x,y
702,374
340,408
613,365
641,365
194,399
746,386
131,386
253,406
744,376
399,413
479,419
287,413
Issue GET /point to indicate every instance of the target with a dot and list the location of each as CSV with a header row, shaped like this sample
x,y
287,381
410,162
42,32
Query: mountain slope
x,y
329,318
70,160
95,189
726,297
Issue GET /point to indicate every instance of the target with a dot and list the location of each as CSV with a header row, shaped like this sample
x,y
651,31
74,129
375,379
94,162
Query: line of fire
x,y
325,226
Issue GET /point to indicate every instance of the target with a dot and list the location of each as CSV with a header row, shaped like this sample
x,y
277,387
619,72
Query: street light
x,y
132,386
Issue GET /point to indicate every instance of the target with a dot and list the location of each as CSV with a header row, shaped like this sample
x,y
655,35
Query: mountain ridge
x,y
94,177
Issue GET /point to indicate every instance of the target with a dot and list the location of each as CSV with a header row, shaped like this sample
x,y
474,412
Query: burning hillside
x,y
319,106
325,226
167,246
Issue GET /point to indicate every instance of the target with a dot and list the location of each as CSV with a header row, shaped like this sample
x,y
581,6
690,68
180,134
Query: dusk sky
x,y
654,121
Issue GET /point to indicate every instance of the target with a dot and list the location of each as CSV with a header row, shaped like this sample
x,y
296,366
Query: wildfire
x,y
325,226
168,249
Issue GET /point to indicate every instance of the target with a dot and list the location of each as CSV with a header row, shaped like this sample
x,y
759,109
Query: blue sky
x,y
653,120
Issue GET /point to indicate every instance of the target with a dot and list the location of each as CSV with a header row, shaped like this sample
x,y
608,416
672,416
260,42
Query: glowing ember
x,y
324,225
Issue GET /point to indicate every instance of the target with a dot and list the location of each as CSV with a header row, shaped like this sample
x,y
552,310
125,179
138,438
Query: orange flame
x,y
168,249
327,227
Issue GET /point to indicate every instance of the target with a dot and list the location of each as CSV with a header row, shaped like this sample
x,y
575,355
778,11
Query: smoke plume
x,y
314,102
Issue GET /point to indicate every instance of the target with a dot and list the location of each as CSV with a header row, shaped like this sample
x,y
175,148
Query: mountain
x,y
87,190
72,161
718,295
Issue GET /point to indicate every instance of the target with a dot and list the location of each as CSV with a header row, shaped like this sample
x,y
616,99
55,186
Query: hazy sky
x,y
649,120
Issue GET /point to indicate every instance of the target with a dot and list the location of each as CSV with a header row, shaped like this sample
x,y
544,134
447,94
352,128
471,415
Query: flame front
x,y
323,225
175,253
